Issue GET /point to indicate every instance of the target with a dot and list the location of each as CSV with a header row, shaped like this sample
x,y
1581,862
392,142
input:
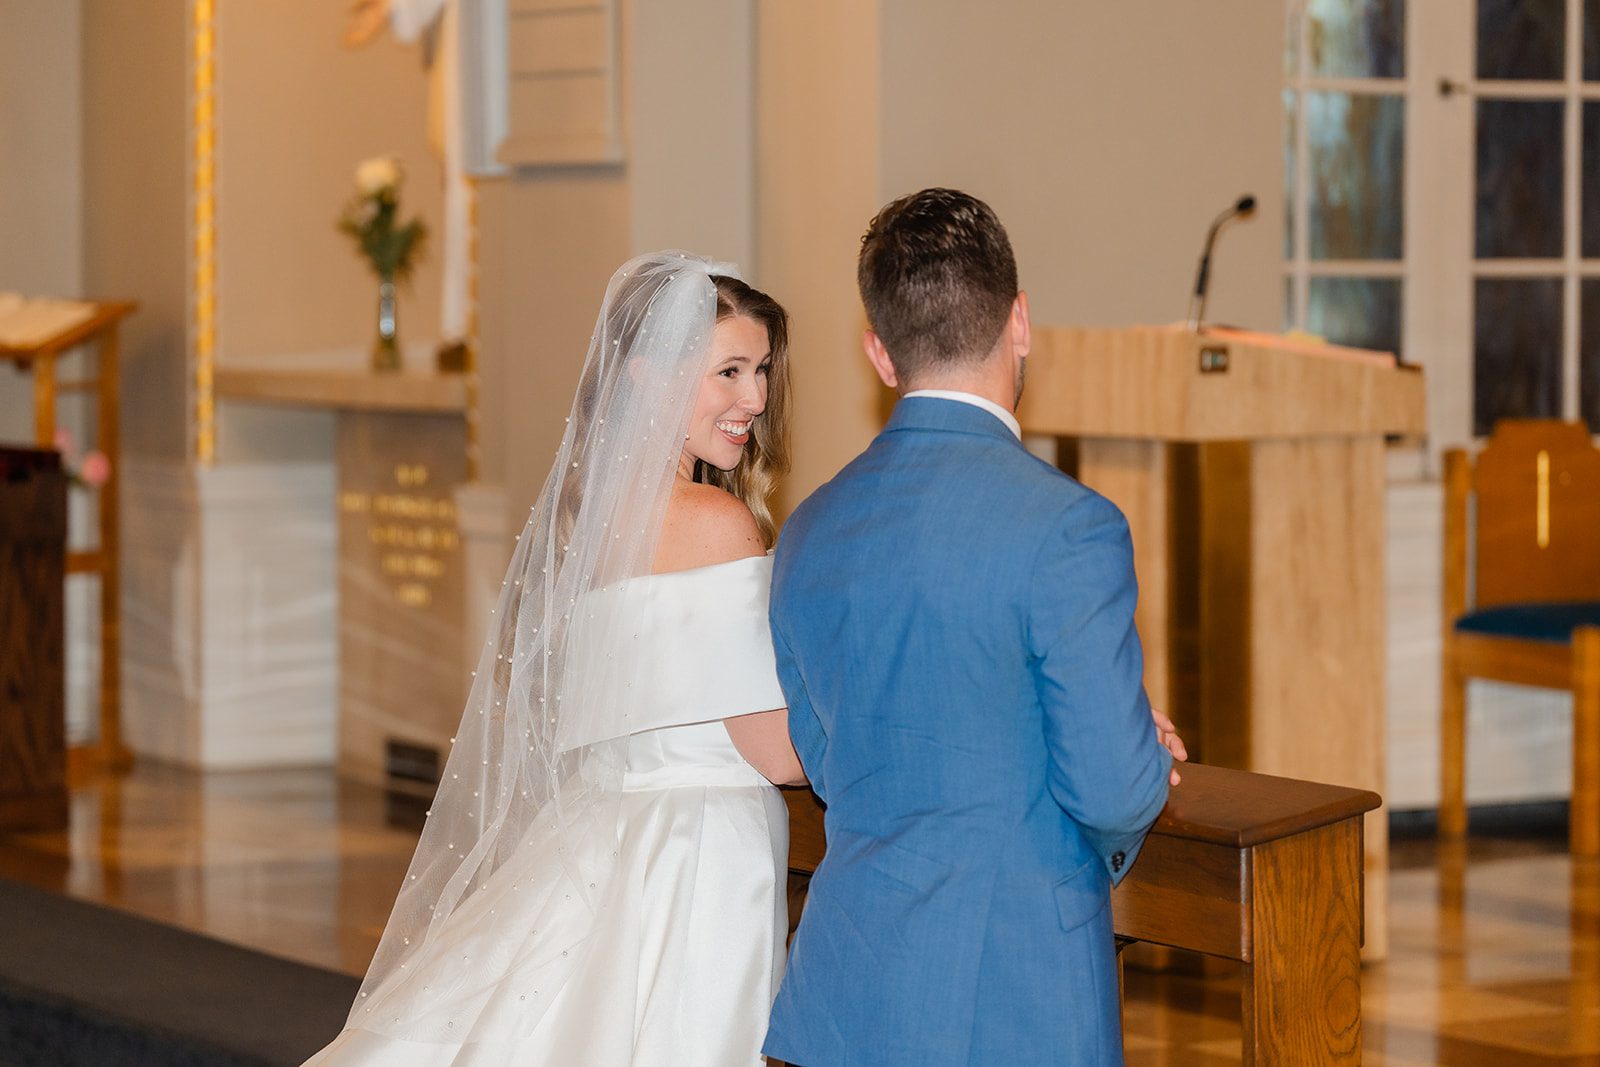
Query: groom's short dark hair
x,y
938,278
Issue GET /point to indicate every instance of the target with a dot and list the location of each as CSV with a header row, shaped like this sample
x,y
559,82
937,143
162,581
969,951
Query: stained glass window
x,y
1356,38
1344,169
1356,171
1362,312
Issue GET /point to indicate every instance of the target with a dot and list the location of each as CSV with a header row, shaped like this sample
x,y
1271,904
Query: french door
x,y
1442,180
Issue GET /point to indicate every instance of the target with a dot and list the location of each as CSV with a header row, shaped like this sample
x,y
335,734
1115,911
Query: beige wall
x,y
551,237
1107,136
41,170
550,243
296,113
135,204
41,132
818,185
691,125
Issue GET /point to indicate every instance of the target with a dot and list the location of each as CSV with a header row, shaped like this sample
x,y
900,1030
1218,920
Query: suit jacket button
x,y
1117,859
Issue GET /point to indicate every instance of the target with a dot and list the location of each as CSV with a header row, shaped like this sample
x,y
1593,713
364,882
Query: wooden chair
x,y
1535,613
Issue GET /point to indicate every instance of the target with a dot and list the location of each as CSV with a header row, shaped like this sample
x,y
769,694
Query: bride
x,y
601,878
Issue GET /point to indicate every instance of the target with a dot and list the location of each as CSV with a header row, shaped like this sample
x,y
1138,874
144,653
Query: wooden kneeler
x,y
1249,867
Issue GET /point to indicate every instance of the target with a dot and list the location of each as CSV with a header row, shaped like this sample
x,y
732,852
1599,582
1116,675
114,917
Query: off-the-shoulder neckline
x,y
764,558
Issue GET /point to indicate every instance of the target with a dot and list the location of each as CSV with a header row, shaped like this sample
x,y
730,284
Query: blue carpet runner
x,y
86,985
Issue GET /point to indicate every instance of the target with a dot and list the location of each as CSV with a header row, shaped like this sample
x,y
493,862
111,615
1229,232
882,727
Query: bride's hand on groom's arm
x,y
763,740
1167,734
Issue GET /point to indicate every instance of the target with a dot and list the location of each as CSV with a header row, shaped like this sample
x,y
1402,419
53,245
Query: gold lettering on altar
x,y
421,525
397,535
413,564
401,593
411,506
414,594
411,475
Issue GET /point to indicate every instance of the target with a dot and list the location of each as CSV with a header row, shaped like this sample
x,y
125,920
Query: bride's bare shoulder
x,y
705,525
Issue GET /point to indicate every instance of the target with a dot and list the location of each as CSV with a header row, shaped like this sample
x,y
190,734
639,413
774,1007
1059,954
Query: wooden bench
x,y
1248,867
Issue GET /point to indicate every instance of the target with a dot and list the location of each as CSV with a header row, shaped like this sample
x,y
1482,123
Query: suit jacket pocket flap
x,y
911,869
1079,897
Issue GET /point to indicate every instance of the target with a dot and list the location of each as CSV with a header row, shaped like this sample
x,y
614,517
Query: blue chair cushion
x,y
1551,621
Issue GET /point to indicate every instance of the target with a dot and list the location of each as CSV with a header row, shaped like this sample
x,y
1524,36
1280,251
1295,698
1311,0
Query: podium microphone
x,y
1242,209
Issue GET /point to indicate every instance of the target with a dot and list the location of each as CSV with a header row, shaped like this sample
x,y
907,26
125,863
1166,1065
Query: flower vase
x,y
386,348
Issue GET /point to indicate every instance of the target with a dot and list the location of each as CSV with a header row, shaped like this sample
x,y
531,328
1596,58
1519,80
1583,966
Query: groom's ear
x,y
1020,326
878,356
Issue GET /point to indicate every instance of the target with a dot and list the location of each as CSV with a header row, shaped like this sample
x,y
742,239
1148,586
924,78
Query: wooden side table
x,y
101,327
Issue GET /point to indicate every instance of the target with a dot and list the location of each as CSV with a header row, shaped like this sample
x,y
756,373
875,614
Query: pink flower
x,y
96,469
64,444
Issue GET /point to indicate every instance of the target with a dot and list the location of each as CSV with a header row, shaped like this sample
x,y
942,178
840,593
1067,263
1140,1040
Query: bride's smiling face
x,y
732,394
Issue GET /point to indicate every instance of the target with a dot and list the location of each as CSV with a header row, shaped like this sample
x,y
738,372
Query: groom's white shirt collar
x,y
976,401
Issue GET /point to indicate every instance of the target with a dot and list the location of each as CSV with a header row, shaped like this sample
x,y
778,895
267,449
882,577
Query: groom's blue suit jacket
x,y
953,621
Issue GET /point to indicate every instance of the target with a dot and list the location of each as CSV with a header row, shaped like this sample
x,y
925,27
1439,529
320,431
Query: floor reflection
x,y
1494,960
292,862
1495,946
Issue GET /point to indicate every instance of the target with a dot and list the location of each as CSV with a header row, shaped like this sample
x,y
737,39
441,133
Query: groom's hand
x,y
1167,734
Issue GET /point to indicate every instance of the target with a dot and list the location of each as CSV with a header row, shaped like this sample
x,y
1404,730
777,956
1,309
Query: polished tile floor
x,y
1495,947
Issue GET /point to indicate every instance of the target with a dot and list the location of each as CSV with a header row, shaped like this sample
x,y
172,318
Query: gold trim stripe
x,y
471,339
203,133
1542,508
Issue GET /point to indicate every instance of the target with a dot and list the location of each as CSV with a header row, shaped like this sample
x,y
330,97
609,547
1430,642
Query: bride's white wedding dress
x,y
685,951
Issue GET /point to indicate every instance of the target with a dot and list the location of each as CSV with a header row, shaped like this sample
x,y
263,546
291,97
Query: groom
x,y
953,622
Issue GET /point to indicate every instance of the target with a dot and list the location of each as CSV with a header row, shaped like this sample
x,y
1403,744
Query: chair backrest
x,y
1538,523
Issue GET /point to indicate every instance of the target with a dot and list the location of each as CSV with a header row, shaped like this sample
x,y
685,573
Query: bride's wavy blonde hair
x,y
766,457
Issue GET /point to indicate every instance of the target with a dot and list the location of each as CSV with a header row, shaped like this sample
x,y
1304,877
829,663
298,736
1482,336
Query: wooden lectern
x,y
1251,470
98,322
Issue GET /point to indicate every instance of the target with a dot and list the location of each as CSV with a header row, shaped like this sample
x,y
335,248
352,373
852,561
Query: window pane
x,y
1516,361
1519,179
1357,38
1288,304
1291,128
1363,312
1523,40
1591,40
1589,356
1356,143
1591,179
1291,43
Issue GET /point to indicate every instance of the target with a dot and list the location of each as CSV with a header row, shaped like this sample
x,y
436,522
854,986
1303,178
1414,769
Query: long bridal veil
x,y
534,763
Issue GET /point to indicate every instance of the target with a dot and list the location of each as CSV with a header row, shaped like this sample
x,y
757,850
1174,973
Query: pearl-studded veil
x,y
526,769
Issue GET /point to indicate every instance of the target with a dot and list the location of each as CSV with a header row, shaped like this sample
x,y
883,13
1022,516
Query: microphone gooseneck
x,y
1243,208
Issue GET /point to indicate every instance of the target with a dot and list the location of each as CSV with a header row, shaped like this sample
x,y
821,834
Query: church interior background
x,y
1427,179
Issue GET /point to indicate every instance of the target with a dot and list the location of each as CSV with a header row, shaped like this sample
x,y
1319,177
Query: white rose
x,y
376,175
